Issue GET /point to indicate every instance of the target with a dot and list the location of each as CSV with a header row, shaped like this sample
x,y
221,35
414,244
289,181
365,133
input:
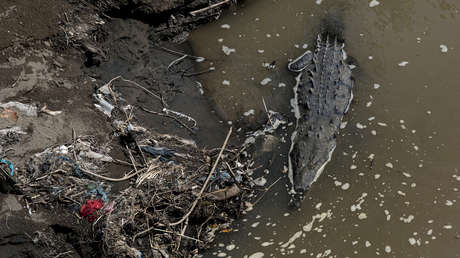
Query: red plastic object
x,y
89,209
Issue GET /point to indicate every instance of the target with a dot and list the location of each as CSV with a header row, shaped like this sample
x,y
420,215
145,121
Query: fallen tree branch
x,y
206,182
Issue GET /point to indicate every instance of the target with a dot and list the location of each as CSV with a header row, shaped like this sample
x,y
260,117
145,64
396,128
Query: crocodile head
x,y
307,160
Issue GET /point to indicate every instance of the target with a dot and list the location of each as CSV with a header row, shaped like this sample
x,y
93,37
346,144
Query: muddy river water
x,y
391,188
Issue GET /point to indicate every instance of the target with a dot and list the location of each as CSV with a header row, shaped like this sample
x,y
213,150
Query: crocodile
x,y
322,96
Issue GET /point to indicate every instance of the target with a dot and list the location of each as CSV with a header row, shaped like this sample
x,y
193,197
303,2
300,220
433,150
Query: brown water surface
x,y
391,188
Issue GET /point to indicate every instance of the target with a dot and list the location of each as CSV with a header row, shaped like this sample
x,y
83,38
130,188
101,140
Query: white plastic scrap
x,y
103,105
27,109
94,155
15,129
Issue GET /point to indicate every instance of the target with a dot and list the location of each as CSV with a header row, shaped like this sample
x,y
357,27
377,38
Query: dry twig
x,y
206,182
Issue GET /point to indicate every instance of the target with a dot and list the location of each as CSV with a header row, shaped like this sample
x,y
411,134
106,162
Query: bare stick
x,y
196,58
209,7
139,86
176,61
109,178
266,190
166,115
206,182
165,231
266,112
210,69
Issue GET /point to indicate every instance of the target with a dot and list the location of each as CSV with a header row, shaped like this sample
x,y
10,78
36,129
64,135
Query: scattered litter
x,y
90,208
9,130
26,109
9,164
9,114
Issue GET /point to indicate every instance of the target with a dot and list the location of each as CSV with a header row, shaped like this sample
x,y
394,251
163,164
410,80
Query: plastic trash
x,y
103,105
98,191
45,166
163,152
89,209
28,110
15,129
10,165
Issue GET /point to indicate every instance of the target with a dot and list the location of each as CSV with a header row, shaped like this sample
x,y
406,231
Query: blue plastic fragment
x,y
163,152
139,254
10,165
98,191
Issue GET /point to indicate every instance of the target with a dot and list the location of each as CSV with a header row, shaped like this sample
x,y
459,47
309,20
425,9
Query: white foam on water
x,y
376,85
444,48
374,3
225,26
389,165
265,81
292,239
403,63
407,219
388,249
255,224
228,50
226,82
256,255
360,126
249,112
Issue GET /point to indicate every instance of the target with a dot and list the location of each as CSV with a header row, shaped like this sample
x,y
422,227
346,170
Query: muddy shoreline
x,y
55,57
